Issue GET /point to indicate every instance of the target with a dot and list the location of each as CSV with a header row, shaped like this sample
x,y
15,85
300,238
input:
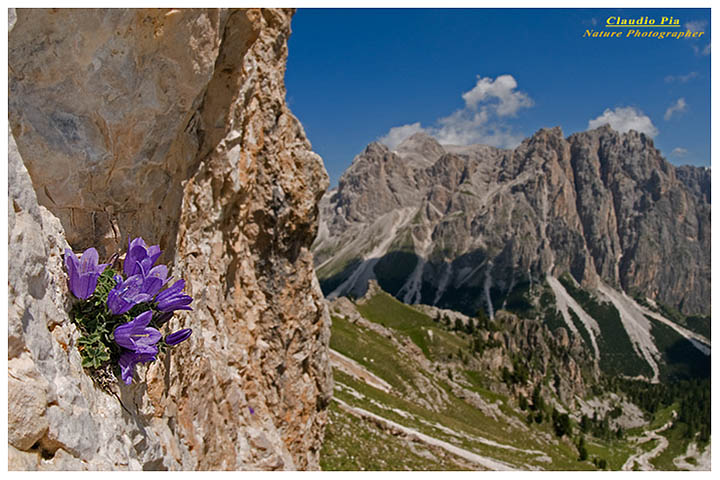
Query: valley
x,y
413,392
542,308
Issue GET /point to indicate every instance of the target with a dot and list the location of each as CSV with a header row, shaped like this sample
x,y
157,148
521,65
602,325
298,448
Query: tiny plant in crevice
x,y
120,317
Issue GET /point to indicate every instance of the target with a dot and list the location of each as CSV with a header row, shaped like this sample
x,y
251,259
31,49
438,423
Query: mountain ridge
x,y
601,205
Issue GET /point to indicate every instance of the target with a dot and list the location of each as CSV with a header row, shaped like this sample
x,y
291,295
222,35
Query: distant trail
x,y
643,458
353,368
486,462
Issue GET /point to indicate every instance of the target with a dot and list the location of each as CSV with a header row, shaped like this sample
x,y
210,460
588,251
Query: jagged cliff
x,y
461,227
171,125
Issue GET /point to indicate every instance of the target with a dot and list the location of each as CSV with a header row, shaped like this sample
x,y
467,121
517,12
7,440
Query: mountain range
x,y
596,230
462,226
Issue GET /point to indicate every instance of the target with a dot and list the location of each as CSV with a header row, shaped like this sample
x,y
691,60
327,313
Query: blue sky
x,y
495,76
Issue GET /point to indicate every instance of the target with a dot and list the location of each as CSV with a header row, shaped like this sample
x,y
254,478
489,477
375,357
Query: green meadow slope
x,y
418,388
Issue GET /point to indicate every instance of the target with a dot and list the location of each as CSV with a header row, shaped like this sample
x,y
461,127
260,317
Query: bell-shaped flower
x,y
153,280
83,273
129,359
126,294
136,336
162,318
173,299
179,336
140,256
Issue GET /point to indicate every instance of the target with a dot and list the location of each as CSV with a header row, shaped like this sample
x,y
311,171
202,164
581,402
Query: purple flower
x,y
126,294
162,318
139,257
153,280
179,336
129,359
136,336
139,343
173,299
83,273
139,261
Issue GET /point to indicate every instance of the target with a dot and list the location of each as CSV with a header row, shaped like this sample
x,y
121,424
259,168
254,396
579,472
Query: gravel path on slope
x,y
485,462
354,369
643,458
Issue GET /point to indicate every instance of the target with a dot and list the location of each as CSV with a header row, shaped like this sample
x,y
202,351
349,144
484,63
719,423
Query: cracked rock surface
x,y
171,125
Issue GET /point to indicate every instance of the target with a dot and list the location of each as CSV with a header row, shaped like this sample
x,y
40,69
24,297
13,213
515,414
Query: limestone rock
x,y
457,226
57,418
27,394
172,125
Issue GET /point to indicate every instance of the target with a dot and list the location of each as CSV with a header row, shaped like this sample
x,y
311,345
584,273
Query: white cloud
x,y
480,121
696,25
397,134
466,128
681,78
679,152
705,51
678,107
624,119
463,127
503,89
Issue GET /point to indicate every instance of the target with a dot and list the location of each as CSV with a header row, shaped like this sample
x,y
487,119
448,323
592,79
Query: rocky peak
x,y
633,153
601,205
420,141
378,180
373,150
552,135
421,149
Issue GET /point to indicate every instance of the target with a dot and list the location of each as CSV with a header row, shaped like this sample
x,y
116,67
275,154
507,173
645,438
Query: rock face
x,y
170,125
461,227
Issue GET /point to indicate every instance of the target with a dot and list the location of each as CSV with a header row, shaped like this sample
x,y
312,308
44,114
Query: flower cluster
x,y
120,317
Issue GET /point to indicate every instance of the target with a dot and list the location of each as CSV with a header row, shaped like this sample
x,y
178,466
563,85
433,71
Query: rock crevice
x,y
172,125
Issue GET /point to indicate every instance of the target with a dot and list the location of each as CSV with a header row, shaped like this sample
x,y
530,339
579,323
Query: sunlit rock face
x,y
171,125
461,226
